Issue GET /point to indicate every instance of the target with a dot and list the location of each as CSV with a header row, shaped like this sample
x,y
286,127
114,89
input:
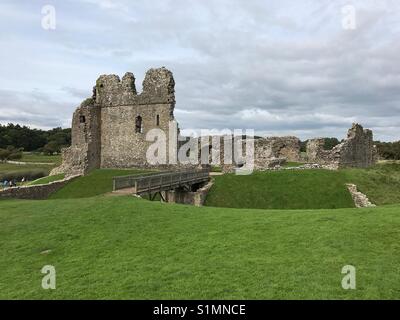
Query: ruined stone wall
x,y
357,151
105,130
84,153
277,147
268,152
316,152
121,143
195,198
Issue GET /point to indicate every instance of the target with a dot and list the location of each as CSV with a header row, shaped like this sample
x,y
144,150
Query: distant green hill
x,y
285,189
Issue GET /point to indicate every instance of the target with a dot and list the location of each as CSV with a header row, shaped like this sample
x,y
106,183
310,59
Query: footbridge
x,y
155,183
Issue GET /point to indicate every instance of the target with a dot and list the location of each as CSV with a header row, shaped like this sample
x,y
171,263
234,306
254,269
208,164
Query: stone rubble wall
x,y
360,199
195,198
36,192
357,151
278,147
317,153
104,133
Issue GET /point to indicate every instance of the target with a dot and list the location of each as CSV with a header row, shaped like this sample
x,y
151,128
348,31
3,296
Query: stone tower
x,y
109,129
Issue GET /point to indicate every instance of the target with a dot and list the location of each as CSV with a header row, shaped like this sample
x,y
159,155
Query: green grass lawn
x,y
40,158
127,248
47,179
380,183
95,183
306,189
29,171
285,189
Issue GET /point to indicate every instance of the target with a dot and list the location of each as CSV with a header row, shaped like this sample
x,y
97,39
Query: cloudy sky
x,y
284,67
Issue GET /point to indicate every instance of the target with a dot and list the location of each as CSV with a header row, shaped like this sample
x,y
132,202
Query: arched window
x,y
158,120
138,125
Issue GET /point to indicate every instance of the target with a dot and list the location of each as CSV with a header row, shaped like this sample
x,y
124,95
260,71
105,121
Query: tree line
x,y
388,150
15,138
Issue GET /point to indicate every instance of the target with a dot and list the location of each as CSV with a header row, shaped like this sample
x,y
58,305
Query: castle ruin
x,y
357,151
109,131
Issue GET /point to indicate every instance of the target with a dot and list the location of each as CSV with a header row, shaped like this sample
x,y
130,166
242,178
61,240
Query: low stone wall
x,y
37,192
194,198
360,199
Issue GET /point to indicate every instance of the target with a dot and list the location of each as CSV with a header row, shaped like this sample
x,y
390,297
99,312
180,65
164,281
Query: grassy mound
x,y
380,183
306,189
108,247
95,183
285,189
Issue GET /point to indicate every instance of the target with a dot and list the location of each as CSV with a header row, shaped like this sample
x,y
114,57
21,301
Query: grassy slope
x,y
288,189
381,183
46,180
306,189
95,183
122,247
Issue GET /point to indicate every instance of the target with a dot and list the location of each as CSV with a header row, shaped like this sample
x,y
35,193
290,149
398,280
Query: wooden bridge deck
x,y
157,182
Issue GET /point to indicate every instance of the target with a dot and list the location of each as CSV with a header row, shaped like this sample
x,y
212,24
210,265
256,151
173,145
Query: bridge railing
x,y
160,181
123,182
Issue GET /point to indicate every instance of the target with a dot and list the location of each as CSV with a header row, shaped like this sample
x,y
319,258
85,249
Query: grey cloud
x,y
280,67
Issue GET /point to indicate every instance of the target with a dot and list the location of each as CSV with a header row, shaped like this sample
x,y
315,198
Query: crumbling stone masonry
x,y
360,199
278,147
356,151
109,129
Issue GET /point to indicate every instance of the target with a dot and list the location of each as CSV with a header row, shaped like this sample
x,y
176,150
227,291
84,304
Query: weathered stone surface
x,y
356,151
277,147
267,164
36,192
195,198
109,129
360,199
317,153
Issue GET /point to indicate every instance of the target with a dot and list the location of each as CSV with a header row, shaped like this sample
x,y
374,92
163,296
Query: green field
x,y
381,183
305,189
95,183
285,189
128,248
40,158
29,171
122,247
47,179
